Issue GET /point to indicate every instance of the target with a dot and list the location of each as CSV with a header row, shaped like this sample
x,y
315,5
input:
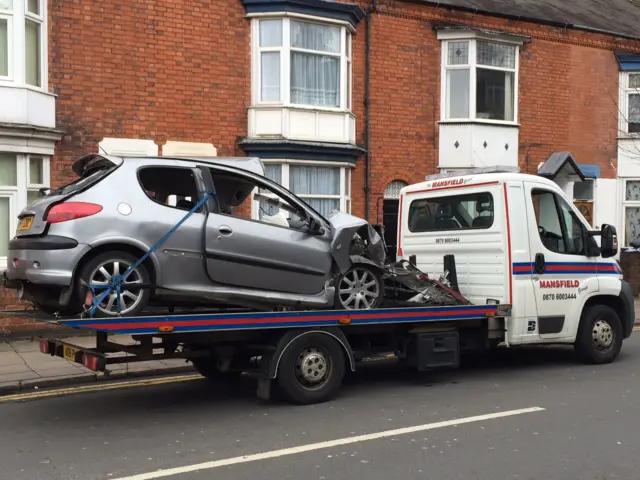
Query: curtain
x,y
315,77
270,36
311,181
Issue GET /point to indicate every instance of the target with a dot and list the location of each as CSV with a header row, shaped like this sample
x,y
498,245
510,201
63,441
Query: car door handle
x,y
225,230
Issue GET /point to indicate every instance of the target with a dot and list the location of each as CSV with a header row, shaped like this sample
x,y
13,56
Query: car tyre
x,y
360,287
600,335
103,266
311,369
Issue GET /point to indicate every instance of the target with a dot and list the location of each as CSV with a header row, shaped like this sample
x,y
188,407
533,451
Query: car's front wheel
x,y
360,287
134,292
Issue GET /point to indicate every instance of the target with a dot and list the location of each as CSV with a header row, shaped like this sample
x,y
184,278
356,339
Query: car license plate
x,y
25,223
69,353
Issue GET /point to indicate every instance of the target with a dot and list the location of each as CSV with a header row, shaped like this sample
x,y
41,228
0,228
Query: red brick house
x,y
344,102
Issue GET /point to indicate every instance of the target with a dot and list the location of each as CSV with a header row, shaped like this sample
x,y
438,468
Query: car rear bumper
x,y
48,260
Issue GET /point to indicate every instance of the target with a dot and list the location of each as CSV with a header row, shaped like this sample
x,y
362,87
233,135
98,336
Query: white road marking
x,y
329,444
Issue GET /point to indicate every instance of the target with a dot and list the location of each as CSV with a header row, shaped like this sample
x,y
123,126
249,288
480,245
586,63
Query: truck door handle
x,y
539,264
225,230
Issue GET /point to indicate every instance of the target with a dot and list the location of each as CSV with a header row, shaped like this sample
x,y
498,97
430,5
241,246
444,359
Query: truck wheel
x,y
599,337
102,268
360,287
311,369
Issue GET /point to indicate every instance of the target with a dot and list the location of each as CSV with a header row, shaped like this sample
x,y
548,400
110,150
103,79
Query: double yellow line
x,y
99,387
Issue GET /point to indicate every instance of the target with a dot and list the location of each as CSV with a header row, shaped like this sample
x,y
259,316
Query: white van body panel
x,y
497,262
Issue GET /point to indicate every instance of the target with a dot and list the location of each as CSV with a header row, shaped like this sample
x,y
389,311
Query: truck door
x,y
560,269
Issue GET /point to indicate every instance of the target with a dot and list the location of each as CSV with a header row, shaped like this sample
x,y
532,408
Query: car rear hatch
x,y
90,169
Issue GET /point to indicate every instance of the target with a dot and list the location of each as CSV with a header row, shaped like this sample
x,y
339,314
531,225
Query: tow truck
x,y
512,244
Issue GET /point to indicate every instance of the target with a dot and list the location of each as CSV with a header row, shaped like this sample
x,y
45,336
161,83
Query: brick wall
x,y
568,91
181,71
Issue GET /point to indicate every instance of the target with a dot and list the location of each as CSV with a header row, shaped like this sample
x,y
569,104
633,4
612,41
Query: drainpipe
x,y
367,109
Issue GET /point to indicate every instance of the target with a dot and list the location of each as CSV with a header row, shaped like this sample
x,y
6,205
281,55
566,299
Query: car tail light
x,y
64,212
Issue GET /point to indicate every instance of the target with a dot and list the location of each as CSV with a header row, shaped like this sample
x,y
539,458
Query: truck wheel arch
x,y
612,301
270,368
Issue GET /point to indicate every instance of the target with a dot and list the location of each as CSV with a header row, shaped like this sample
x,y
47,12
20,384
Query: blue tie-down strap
x,y
116,280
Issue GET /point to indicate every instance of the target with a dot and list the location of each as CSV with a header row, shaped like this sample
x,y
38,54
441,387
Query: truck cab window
x,y
456,212
559,228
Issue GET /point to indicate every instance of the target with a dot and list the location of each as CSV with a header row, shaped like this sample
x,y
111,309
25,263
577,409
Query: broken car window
x,y
233,193
170,186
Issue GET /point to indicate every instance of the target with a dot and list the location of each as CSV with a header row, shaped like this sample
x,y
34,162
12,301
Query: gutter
x,y
367,108
523,18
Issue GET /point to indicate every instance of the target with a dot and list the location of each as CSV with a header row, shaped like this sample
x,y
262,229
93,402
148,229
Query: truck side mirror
x,y
609,241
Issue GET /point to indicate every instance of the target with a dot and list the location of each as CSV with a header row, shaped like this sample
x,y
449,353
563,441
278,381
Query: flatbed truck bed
x,y
303,353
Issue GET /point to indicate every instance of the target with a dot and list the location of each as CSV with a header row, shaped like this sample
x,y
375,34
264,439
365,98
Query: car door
x,y
562,273
274,250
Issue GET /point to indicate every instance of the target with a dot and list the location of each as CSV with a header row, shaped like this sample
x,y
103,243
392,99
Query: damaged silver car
x,y
253,244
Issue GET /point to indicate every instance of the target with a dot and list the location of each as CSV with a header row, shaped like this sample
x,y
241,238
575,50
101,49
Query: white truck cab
x,y
517,239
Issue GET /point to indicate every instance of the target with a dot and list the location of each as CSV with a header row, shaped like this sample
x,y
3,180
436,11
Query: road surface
x,y
528,415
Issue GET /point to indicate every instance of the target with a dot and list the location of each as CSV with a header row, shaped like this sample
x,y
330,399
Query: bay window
x,y
479,80
630,110
23,42
631,208
301,62
21,178
324,188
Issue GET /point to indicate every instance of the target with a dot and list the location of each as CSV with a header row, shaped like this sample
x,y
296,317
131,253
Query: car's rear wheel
x,y
134,296
360,287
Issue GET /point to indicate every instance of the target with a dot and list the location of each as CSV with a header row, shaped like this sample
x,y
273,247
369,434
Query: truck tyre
x,y
311,369
101,268
599,337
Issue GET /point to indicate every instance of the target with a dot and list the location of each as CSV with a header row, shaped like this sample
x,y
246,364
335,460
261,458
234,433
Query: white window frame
x,y
345,183
18,194
346,31
625,91
17,18
472,37
626,204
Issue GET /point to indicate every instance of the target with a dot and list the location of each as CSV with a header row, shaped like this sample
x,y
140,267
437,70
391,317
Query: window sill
x,y
628,136
477,121
314,108
24,86
294,122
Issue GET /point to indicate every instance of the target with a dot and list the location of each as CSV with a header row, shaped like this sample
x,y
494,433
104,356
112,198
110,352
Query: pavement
x,y
530,414
23,367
